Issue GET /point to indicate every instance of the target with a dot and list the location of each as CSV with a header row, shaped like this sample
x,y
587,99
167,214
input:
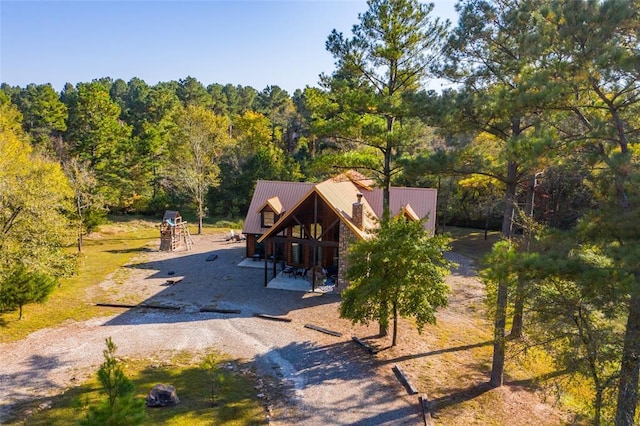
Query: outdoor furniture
x,y
301,272
288,270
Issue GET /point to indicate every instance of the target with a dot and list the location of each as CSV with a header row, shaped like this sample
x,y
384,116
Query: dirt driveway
x,y
331,379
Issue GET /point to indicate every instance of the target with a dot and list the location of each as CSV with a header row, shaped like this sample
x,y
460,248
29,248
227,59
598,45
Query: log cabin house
x,y
309,225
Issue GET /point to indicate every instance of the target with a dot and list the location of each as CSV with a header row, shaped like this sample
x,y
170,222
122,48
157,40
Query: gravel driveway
x,y
331,380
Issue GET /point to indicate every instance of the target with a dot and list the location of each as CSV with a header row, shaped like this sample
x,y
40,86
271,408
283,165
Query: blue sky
x,y
250,43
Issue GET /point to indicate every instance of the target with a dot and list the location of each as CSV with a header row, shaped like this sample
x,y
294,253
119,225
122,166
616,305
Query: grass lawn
x,y
103,253
218,392
471,242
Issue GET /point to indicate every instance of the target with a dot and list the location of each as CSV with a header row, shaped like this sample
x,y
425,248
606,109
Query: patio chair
x,y
301,272
288,270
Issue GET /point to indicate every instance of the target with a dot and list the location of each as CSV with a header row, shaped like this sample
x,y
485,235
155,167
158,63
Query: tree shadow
x,y
459,396
334,384
34,377
436,352
188,283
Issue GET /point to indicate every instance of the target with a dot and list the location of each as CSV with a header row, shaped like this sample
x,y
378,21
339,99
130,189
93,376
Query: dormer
x,y
270,212
409,213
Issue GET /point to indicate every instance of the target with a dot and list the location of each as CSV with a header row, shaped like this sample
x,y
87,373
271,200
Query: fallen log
x,y
272,317
220,311
142,305
424,407
323,330
116,305
365,345
405,380
171,308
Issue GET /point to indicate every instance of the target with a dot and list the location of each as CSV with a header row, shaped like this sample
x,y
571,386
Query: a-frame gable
x,y
327,191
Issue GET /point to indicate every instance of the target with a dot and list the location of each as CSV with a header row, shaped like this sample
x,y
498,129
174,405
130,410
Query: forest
x,y
538,137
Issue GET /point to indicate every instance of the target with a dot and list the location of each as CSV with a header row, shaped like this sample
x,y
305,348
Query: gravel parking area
x,y
329,380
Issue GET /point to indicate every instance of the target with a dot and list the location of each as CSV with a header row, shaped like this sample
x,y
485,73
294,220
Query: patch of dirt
x,y
328,379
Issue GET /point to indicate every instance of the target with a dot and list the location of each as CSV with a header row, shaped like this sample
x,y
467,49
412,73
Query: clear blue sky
x,y
250,43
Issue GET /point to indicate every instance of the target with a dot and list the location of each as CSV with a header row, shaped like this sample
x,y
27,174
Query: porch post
x,y
266,261
273,253
314,256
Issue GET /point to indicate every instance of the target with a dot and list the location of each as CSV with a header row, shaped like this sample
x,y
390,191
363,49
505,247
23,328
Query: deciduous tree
x,y
198,142
33,222
399,272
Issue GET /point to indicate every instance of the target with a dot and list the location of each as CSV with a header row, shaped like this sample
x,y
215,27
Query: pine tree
x,y
120,407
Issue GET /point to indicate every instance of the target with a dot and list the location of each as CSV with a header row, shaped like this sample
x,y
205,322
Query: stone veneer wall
x,y
346,236
357,214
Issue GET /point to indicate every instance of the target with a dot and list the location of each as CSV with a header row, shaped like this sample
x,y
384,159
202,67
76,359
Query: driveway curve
x,y
330,380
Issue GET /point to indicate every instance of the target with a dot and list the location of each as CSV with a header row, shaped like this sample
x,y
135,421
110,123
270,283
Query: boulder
x,y
162,396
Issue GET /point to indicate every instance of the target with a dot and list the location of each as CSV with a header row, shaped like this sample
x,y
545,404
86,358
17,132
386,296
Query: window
x,y
296,253
315,229
268,219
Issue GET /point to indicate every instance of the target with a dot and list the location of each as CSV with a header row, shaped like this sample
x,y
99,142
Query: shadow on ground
x,y
187,283
339,385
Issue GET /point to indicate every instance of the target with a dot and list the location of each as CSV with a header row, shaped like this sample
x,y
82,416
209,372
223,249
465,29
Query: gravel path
x,y
331,380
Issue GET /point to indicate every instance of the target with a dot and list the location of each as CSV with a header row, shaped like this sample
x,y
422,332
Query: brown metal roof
x,y
274,204
289,193
422,201
340,194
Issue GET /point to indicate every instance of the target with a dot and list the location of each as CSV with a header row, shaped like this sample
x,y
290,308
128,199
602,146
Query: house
x,y
307,225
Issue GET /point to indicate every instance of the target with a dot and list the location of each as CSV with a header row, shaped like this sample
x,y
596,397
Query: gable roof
x,y
273,203
288,193
340,193
410,213
422,201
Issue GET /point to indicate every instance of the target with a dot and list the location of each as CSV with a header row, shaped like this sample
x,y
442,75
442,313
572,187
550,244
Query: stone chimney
x,y
358,212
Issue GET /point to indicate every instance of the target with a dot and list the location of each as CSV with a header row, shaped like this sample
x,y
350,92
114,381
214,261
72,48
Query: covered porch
x,y
304,244
289,279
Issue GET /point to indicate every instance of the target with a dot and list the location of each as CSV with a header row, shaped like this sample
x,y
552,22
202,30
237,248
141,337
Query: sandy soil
x,y
328,379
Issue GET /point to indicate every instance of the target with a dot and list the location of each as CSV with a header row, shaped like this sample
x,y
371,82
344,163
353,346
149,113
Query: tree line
x,y
536,135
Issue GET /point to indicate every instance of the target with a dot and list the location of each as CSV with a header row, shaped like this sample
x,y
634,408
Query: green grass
x,y
234,400
471,242
103,253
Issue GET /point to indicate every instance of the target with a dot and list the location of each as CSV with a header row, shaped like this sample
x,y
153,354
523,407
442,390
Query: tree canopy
x,y
399,271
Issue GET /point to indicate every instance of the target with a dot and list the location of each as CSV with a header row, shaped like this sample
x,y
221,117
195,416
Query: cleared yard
x,y
321,378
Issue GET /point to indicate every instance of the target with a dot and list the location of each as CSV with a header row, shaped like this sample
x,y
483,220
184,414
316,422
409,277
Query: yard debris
x,y
365,345
162,395
424,407
405,380
272,317
323,330
220,311
212,257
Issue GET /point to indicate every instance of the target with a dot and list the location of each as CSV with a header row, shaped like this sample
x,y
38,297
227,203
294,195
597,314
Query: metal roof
x,y
340,194
274,204
422,200
289,193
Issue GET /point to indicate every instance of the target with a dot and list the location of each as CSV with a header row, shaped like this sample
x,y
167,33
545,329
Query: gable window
x,y
268,218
